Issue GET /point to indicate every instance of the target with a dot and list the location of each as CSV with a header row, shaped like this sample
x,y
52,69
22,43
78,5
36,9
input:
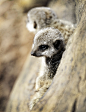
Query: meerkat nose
x,y
33,53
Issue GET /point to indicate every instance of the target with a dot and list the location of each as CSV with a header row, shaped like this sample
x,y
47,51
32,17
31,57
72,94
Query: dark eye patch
x,y
43,47
57,44
35,24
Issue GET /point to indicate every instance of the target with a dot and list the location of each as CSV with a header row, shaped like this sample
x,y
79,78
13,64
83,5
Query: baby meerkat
x,y
43,17
48,44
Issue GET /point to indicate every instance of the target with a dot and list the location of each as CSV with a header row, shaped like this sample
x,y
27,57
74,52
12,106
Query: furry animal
x,y
39,18
48,44
43,17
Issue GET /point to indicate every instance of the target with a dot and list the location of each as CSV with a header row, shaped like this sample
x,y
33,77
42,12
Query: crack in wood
x,y
74,106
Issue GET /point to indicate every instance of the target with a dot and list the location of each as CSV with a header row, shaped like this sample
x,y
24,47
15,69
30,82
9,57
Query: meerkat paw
x,y
33,102
39,83
38,96
48,83
37,87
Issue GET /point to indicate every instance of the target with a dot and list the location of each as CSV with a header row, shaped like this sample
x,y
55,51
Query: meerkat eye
x,y
57,44
35,24
43,47
50,17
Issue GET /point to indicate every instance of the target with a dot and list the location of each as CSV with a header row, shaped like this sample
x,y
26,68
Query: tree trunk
x,y
67,92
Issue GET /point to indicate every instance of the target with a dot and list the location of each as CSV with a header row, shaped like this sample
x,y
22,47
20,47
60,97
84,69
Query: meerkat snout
x,y
33,53
47,42
39,51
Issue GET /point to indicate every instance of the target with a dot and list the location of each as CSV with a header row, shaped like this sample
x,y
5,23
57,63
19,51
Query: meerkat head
x,y
40,17
47,42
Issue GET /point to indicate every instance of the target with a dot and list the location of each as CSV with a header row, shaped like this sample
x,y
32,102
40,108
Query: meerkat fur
x,y
39,18
48,44
43,17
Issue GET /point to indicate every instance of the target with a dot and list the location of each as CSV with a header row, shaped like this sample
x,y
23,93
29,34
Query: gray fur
x,y
39,18
50,60
43,17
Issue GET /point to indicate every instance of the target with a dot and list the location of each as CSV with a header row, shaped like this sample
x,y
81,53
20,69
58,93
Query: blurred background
x,y
16,40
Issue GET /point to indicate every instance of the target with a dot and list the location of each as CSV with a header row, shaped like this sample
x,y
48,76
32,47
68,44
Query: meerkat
x,y
48,44
39,18
43,17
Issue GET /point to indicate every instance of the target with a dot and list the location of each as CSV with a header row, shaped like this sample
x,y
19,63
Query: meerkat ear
x,y
48,16
57,44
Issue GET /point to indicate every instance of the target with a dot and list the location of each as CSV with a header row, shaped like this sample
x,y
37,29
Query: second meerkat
x,y
43,17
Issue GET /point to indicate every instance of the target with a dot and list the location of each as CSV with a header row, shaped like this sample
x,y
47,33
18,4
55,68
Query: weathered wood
x,y
79,9
23,89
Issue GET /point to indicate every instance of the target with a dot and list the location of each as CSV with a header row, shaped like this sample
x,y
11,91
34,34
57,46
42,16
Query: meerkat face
x,y
38,18
47,42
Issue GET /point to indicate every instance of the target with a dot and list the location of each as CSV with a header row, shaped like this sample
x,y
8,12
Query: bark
x,y
67,92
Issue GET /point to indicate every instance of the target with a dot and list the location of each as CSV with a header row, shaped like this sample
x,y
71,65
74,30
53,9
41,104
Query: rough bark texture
x,y
24,90
79,9
67,93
